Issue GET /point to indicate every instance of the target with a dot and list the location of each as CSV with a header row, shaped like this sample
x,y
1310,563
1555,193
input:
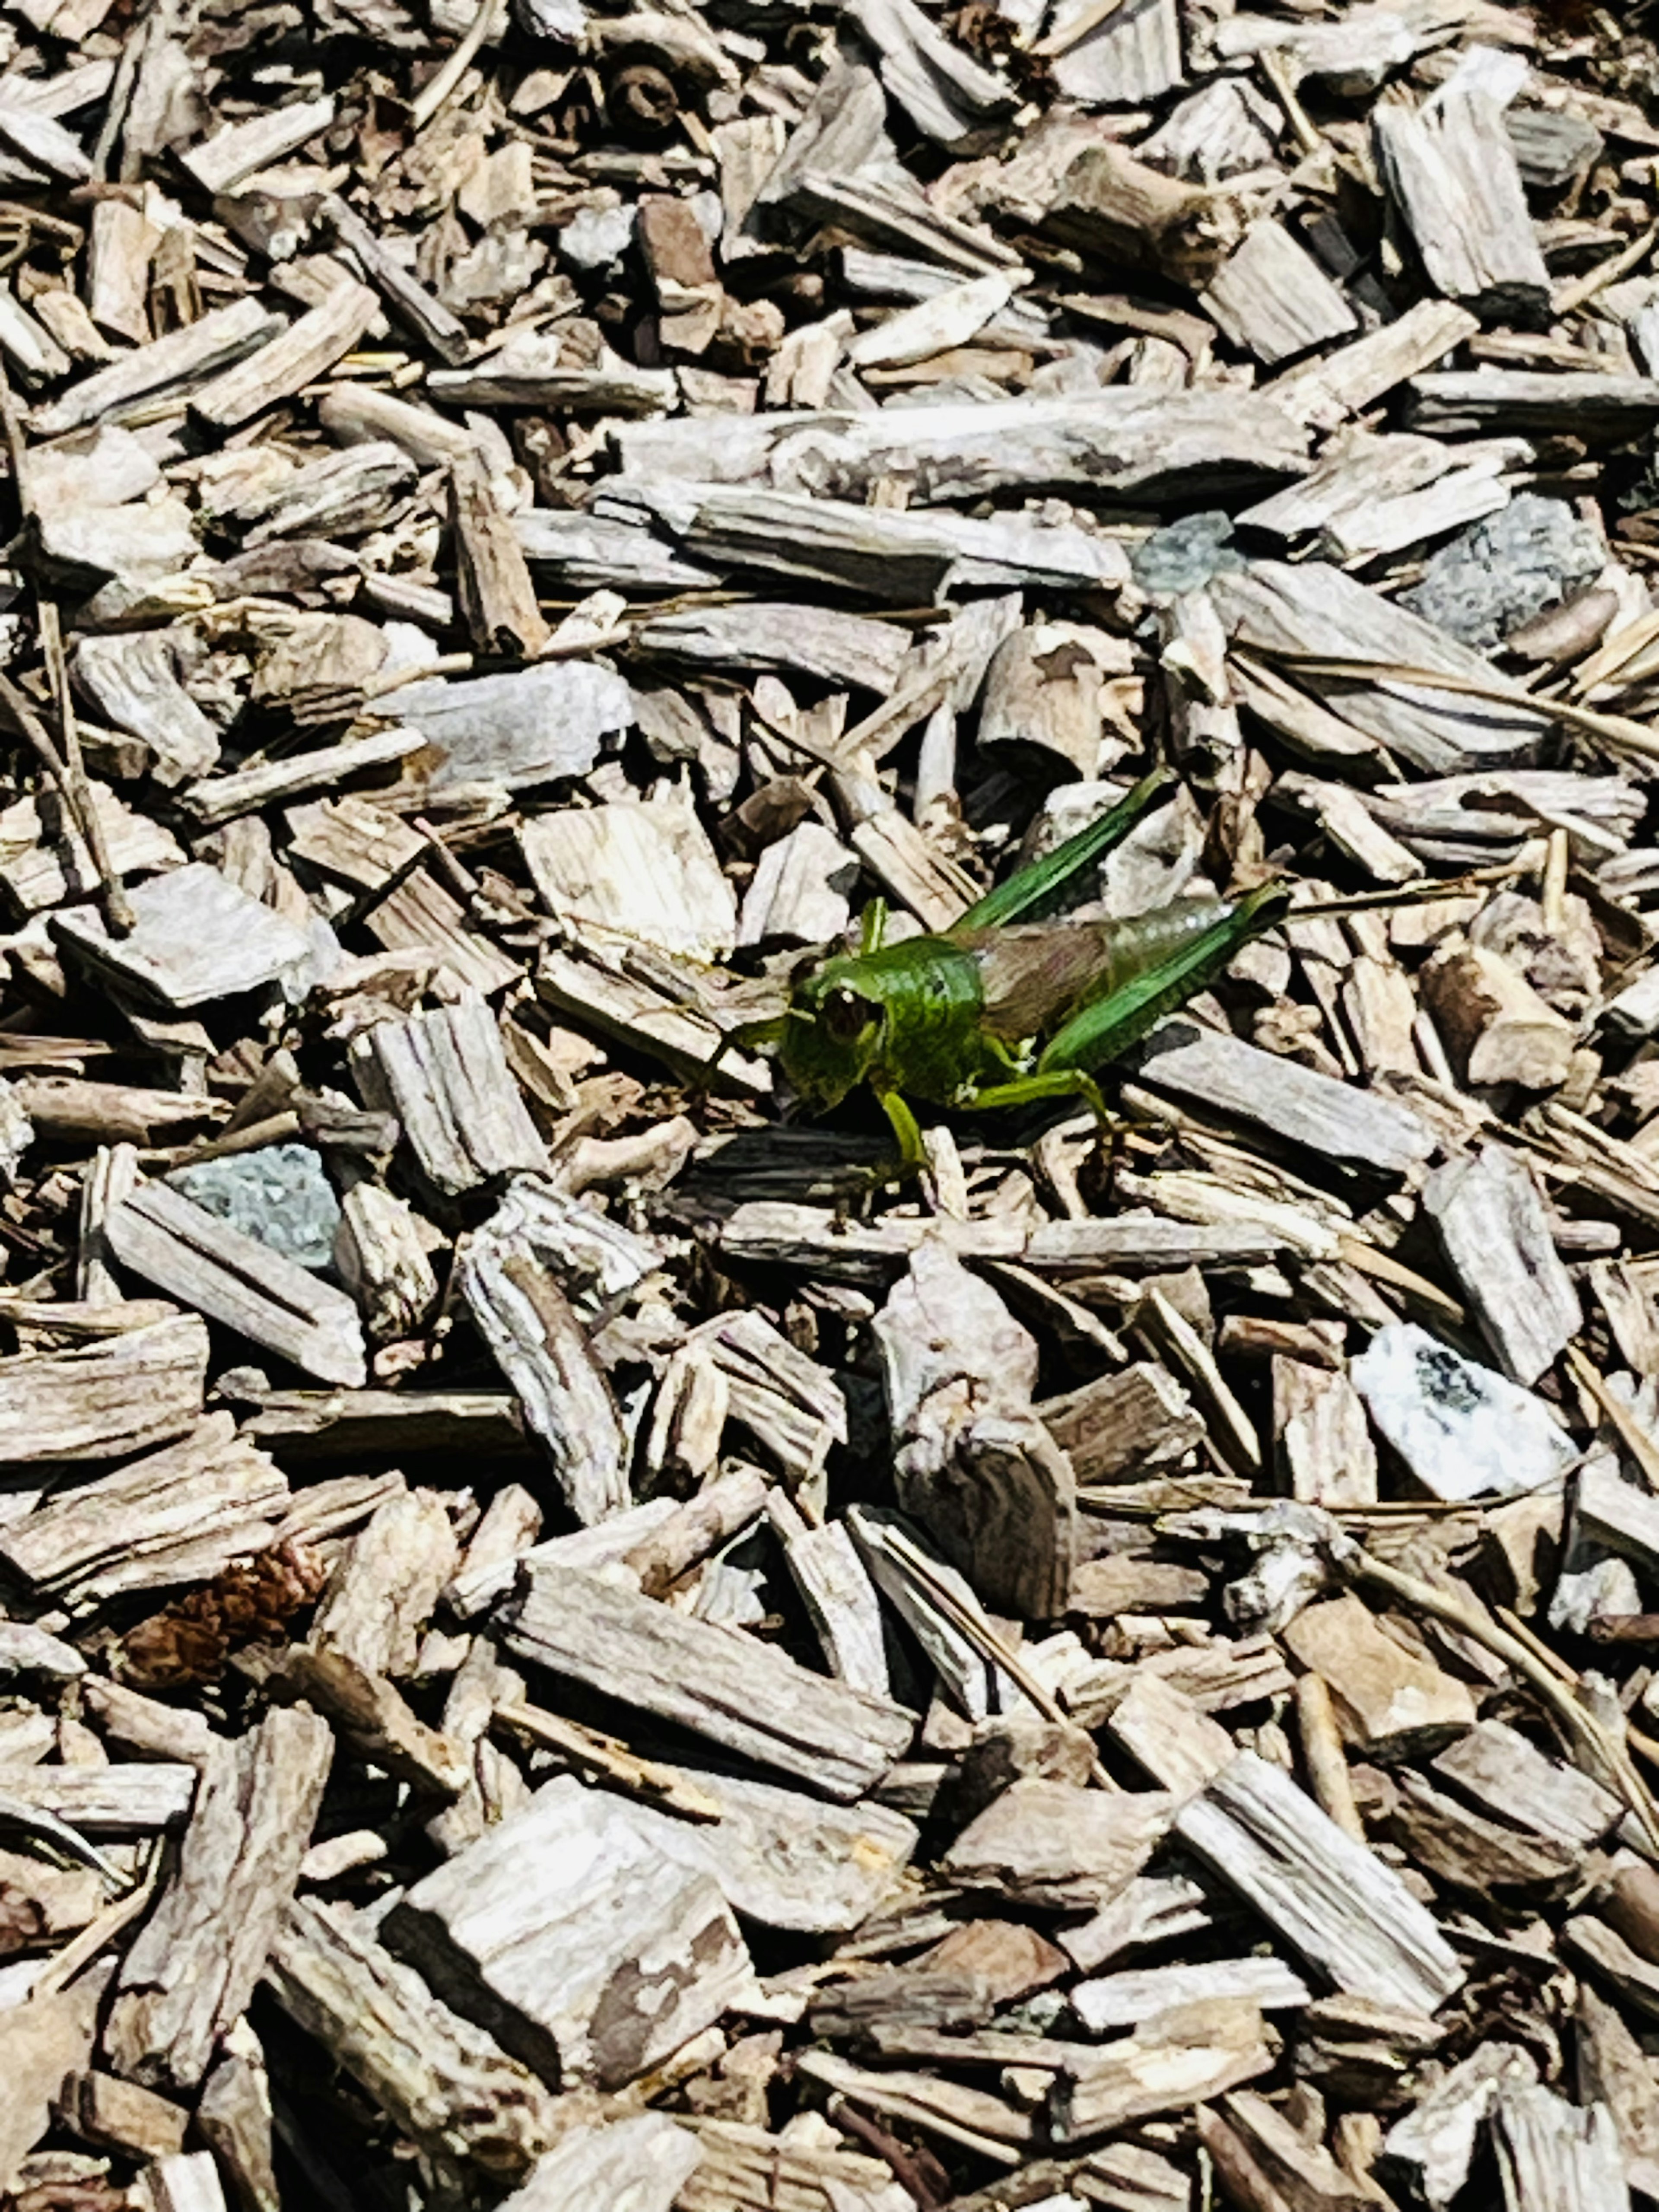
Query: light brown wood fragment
x,y
133,1391
188,1977
386,1585
497,595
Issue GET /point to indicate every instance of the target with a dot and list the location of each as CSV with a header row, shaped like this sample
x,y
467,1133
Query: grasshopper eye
x,y
845,1015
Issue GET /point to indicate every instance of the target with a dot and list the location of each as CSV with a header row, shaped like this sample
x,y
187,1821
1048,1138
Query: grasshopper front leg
x,y
913,1153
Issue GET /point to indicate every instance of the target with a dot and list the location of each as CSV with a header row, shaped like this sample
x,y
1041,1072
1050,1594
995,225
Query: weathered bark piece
x,y
1126,2000
43,861
120,2116
219,799
234,2118
589,1952
1053,1843
1271,297
138,1799
1331,1899
1310,609
417,308
1431,2150
189,1976
299,356
1335,1119
522,1277
365,846
165,367
179,1514
372,1716
1549,2152
1333,386
1505,1774
443,2081
386,1585
835,1588
497,596
891,555
532,726
1601,409
974,1465
132,680
1463,1850
641,2159
191,1256
647,872
790,637
1124,1424
752,1699
445,1078
1497,1027
1452,169
1169,2064
237,150
1128,444
134,1389
198,939
1319,1435
1495,1232
1390,1700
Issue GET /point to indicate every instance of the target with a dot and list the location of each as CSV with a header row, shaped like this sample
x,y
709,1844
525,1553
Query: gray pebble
x,y
1506,569
278,1195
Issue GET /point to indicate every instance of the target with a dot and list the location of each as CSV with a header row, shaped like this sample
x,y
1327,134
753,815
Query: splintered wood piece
x,y
1272,298
372,1716
1550,2152
591,1952
1493,1227
1321,1436
132,680
835,1588
44,860
167,1239
1505,1774
1391,1700
1138,1419
234,2118
1053,1843
180,1515
1333,1901
299,356
166,366
386,1586
974,1465
132,1391
1452,169
1337,1120
197,938
237,150
497,595
1168,2065
513,1277
646,872
188,1977
744,1695
404,293
445,1078
444,2081
642,2159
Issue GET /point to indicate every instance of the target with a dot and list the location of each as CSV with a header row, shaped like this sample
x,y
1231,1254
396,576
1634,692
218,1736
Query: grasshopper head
x,y
833,1031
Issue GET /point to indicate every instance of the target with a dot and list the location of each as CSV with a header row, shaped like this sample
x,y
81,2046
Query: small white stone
x,y
1463,1430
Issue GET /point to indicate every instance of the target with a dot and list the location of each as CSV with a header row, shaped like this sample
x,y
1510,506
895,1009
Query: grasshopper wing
x,y
1110,1025
1032,892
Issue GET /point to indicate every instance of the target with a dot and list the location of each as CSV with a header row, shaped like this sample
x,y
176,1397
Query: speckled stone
x,y
1506,569
278,1195
1184,556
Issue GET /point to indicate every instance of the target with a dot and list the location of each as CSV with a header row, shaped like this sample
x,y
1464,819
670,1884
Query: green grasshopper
x,y
1003,1008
